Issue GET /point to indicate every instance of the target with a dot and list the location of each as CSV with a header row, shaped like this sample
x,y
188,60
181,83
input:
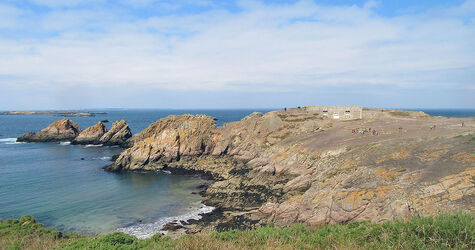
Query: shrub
x,y
118,239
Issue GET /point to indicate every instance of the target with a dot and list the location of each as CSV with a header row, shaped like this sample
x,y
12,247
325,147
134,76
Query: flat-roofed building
x,y
338,112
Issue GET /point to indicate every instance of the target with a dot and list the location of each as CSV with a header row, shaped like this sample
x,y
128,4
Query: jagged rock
x,y
91,135
297,166
169,139
61,130
117,135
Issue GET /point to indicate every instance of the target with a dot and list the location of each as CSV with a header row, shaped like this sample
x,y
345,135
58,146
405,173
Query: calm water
x,y
450,112
51,181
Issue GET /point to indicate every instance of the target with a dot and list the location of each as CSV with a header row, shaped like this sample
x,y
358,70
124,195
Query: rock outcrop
x,y
67,130
117,135
91,135
298,166
61,130
167,140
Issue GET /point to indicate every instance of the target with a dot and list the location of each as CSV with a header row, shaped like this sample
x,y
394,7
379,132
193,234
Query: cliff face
x,y
167,140
297,166
60,130
91,135
117,135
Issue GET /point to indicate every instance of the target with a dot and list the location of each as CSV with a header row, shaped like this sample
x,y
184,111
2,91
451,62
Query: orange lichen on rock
x,y
389,174
356,199
463,157
401,155
384,190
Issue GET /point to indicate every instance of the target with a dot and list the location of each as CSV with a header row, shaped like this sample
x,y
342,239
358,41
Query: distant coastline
x,y
59,113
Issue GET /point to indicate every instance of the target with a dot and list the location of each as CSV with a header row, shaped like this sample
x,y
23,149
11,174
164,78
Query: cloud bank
x,y
248,47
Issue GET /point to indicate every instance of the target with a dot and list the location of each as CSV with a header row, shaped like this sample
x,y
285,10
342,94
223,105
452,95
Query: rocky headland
x,y
67,130
299,166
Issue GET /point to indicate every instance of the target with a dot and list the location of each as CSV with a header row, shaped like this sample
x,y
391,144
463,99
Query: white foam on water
x,y
8,140
92,145
106,158
64,143
147,230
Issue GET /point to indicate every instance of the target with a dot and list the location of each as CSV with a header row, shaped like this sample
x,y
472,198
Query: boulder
x,y
61,130
117,135
91,135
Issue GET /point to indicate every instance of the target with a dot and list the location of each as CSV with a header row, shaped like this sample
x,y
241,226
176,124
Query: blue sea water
x,y
64,185
450,112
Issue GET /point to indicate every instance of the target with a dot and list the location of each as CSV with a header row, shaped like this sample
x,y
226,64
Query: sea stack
x,y
61,130
91,135
117,135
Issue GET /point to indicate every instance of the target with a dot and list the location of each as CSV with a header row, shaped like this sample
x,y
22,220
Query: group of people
x,y
364,131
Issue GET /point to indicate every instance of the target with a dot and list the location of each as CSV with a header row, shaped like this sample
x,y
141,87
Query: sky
x,y
83,54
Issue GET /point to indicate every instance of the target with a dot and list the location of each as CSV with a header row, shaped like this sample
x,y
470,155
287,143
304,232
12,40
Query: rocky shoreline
x,y
299,166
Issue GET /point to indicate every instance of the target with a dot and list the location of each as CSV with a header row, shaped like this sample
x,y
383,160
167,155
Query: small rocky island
x,y
58,113
304,165
67,130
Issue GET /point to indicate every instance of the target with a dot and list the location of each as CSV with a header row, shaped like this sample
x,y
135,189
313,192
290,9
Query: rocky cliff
x,y
117,135
168,140
61,130
298,166
91,135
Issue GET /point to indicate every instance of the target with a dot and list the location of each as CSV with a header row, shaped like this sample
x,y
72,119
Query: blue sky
x,y
74,54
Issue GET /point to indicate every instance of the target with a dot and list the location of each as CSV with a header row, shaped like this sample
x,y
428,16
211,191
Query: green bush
x,y
27,219
118,239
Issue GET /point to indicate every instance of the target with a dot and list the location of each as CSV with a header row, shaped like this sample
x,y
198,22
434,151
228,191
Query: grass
x,y
440,232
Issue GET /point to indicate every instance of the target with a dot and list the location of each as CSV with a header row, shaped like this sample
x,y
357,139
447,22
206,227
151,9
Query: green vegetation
x,y
440,232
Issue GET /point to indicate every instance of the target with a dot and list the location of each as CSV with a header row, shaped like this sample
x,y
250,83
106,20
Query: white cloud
x,y
263,47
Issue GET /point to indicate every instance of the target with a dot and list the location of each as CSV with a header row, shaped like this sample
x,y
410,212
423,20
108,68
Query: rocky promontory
x,y
300,166
91,135
61,130
67,130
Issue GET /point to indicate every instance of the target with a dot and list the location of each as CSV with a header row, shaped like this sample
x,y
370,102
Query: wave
x,y
147,230
64,143
104,158
93,145
8,140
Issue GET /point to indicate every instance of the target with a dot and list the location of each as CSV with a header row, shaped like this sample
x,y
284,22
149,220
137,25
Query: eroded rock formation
x,y
297,166
117,135
61,130
67,130
91,135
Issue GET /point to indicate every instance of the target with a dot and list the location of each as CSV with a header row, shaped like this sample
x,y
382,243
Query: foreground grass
x,y
440,232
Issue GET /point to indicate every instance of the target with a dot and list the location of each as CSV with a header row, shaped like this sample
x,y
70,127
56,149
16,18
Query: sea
x,y
63,185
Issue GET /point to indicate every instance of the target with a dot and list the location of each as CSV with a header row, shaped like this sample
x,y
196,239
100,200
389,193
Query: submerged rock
x,y
91,135
117,135
61,130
